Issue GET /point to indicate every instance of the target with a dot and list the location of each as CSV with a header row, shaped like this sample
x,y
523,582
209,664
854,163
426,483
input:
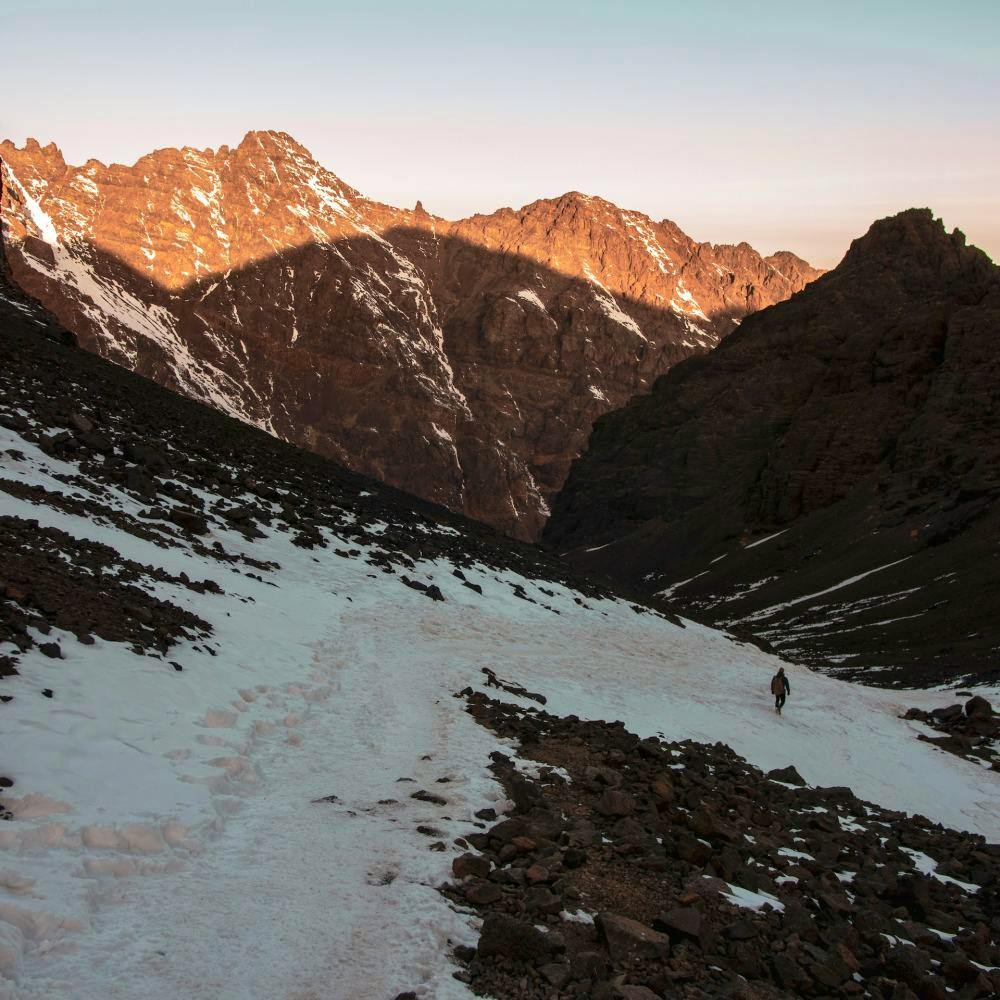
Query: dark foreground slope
x,y
861,420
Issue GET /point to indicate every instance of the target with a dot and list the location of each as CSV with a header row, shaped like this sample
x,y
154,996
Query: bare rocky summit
x,y
828,478
462,361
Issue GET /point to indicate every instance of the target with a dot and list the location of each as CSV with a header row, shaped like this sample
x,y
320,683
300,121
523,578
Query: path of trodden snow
x,y
166,841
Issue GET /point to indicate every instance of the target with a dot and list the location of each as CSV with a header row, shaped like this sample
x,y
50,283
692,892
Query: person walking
x,y
780,688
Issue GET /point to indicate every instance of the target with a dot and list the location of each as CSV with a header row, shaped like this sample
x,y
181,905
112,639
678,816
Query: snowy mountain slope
x,y
169,833
463,361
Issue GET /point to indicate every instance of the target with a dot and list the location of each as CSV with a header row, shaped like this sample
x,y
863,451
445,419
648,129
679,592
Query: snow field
x,y
167,840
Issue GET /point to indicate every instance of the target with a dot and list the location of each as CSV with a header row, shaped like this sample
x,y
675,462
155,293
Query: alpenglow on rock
x,y
462,361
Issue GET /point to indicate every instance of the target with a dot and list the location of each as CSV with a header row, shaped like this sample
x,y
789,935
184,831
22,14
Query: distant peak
x,y
913,232
32,147
271,139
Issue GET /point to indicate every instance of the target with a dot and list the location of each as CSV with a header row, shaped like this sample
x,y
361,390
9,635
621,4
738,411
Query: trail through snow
x,y
167,842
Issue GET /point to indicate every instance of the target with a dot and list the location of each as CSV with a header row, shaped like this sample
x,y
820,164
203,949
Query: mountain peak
x,y
909,239
32,148
272,140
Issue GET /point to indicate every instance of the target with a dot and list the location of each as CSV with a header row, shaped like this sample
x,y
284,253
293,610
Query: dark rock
x,y
786,774
470,864
424,796
508,937
978,707
684,922
629,940
483,893
613,802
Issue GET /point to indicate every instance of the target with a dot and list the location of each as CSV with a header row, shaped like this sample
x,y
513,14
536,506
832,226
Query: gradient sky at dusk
x,y
790,125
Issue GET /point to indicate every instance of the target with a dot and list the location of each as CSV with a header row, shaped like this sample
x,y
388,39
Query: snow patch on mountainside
x,y
113,308
609,305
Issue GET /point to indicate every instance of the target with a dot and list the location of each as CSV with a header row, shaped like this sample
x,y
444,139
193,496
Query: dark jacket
x,y
780,685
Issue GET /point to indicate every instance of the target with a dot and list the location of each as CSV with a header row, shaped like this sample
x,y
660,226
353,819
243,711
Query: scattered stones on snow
x,y
719,881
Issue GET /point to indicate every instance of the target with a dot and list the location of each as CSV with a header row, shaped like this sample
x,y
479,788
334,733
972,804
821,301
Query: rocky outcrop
x,y
971,731
828,478
462,361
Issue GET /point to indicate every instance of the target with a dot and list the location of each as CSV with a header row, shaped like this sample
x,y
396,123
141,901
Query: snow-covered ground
x,y
167,840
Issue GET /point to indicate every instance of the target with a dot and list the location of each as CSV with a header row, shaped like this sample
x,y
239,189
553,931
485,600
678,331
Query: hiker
x,y
779,688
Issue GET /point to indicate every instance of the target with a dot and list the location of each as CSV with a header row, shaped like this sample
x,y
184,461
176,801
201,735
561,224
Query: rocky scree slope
x,y
462,361
230,671
639,869
828,478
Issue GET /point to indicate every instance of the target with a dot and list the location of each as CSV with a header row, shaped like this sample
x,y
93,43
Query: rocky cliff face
x,y
829,477
462,361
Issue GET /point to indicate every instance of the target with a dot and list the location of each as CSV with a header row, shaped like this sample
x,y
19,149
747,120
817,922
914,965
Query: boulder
x,y
706,823
628,940
683,922
615,803
978,707
470,864
786,774
507,937
483,893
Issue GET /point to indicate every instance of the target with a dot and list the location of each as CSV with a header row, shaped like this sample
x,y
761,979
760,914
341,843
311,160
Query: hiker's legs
x,y
779,700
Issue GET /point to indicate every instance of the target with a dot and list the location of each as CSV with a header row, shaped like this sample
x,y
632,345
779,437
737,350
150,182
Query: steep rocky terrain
x,y
462,361
249,747
827,478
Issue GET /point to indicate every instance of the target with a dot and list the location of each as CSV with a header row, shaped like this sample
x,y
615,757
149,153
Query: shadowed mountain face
x,y
462,361
829,477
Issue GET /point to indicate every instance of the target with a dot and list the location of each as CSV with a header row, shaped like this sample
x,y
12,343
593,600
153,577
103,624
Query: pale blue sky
x,y
791,125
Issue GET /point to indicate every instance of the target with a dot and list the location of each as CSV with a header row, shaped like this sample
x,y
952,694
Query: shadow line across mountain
x,y
333,346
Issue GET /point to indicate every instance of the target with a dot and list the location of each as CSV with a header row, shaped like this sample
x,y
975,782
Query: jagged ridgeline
x,y
461,361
